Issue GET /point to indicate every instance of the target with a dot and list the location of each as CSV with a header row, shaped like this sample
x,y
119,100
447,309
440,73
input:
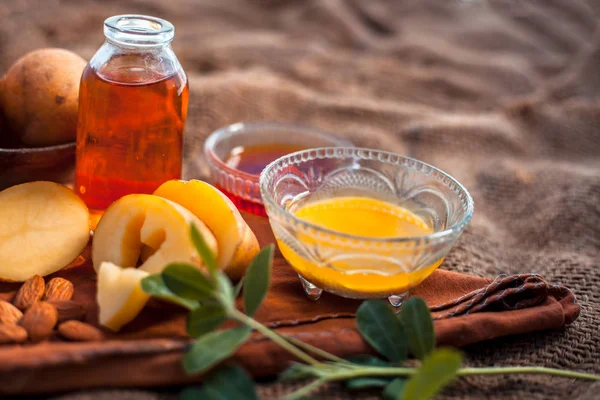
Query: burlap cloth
x,y
501,94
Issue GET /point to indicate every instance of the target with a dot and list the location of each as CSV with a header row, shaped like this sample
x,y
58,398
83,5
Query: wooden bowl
x,y
51,163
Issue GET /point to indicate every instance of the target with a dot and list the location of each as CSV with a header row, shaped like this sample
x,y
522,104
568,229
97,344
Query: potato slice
x,y
150,228
120,295
43,227
237,242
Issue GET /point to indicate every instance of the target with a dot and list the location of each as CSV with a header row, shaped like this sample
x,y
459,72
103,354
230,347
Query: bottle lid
x,y
138,30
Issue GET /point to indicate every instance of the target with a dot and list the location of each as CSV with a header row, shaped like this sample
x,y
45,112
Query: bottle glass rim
x,y
138,30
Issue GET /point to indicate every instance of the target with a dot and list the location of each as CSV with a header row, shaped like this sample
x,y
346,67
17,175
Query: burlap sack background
x,y
503,94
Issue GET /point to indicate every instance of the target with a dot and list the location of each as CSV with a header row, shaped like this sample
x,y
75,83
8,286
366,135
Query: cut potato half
x,y
43,227
120,295
237,242
150,230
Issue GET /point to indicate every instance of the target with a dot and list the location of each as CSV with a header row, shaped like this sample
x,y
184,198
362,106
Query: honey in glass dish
x,y
362,223
365,217
132,108
252,160
238,153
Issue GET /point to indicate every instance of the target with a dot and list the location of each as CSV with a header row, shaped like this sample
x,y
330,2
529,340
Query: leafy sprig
x,y
210,298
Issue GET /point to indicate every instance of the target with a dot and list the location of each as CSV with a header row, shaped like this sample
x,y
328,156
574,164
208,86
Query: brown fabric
x,y
502,94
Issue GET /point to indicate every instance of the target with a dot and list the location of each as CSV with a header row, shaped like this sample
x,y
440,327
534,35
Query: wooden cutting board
x,y
149,350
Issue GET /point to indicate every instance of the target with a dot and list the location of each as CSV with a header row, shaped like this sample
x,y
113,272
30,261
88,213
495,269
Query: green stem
x,y
275,337
527,370
303,391
292,345
365,371
315,350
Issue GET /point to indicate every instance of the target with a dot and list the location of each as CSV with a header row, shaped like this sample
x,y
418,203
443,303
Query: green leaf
x,y
418,323
368,360
191,393
367,382
370,381
380,327
206,318
203,250
395,389
297,372
187,281
225,288
154,285
214,347
437,370
225,383
258,278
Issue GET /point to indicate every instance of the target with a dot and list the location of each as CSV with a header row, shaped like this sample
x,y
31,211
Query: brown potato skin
x,y
40,97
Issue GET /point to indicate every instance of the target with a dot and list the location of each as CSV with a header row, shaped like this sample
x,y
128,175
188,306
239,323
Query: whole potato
x,y
40,96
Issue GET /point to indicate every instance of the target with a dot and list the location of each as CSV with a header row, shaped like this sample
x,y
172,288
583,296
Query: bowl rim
x,y
245,127
358,152
43,149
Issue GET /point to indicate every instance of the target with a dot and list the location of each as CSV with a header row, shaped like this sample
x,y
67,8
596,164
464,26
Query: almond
x,y
80,331
30,292
9,314
39,321
10,333
59,289
68,309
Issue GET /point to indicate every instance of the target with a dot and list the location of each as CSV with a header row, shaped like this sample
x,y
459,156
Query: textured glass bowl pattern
x,y
341,263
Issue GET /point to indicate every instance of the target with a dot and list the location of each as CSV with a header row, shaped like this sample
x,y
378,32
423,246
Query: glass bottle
x,y
133,102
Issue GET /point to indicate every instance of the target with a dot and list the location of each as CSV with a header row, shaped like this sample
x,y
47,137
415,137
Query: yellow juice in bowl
x,y
346,267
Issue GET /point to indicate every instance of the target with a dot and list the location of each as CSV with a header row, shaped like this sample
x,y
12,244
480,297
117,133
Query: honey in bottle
x,y
133,103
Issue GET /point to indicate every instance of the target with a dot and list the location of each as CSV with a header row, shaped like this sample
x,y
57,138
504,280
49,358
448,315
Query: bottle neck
x,y
137,50
121,47
138,31
134,65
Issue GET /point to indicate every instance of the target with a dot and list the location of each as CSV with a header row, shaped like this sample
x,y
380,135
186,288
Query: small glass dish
x,y
361,266
242,187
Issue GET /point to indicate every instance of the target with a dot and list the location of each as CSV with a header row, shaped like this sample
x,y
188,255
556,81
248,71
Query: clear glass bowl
x,y
241,187
354,266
